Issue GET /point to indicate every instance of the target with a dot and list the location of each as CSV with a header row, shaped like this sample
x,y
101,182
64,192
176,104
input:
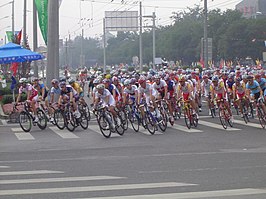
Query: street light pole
x,y
13,11
205,35
24,23
140,36
35,41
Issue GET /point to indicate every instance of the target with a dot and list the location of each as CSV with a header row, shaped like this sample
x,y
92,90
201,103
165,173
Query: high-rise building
x,y
252,8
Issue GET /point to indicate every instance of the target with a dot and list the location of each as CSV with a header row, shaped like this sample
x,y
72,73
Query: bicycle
x,y
244,107
133,116
211,106
162,106
260,113
190,117
26,118
224,115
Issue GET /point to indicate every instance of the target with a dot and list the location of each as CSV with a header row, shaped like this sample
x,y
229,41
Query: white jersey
x,y
131,91
103,96
206,86
147,90
159,87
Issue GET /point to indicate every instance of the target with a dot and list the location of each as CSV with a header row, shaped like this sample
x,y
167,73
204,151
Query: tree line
x,y
233,36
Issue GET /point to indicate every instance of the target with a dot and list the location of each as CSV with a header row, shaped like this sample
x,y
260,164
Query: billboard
x,y
121,20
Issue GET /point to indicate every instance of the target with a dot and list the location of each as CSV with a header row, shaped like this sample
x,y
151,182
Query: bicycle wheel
x,y
163,122
150,122
124,119
261,117
83,120
59,119
213,114
104,125
195,120
222,118
134,120
70,121
42,123
187,118
25,121
245,115
86,109
120,129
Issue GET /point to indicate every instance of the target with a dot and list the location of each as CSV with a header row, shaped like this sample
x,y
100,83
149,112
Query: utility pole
x,y
104,46
66,60
52,70
35,40
205,40
153,39
13,20
140,36
24,23
82,53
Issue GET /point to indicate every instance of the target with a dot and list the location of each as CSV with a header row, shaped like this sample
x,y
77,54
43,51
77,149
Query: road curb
x,y
2,114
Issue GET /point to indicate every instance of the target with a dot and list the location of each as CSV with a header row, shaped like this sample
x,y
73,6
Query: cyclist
x,y
130,92
41,88
53,95
32,95
79,90
69,94
104,95
218,90
205,87
239,91
261,81
147,91
185,90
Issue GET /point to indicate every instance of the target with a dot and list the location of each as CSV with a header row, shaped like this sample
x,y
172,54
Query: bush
x,y
7,99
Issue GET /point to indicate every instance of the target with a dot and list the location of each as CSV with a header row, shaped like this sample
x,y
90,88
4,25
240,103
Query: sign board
x,y
264,56
121,20
158,60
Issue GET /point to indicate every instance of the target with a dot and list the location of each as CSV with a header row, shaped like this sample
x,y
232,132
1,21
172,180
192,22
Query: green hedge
x,y
7,99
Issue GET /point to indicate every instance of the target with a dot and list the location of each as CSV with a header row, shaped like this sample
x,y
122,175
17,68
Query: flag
x,y
10,35
13,83
14,68
19,36
42,9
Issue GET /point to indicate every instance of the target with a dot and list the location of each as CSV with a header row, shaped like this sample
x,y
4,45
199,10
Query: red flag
x,y
14,68
19,36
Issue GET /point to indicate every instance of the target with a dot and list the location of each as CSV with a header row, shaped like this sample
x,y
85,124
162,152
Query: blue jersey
x,y
254,88
262,83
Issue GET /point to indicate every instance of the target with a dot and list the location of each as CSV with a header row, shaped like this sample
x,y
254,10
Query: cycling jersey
x,y
206,87
219,89
103,96
146,91
229,84
239,89
77,87
159,87
254,88
131,91
68,90
29,87
262,83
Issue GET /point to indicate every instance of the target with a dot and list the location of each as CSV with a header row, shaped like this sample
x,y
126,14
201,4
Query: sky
x,y
92,12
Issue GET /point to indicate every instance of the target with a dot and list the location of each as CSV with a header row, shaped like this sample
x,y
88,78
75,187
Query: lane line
x,y
248,124
95,128
185,129
4,167
24,136
145,131
217,126
18,129
193,195
90,188
64,179
63,133
8,173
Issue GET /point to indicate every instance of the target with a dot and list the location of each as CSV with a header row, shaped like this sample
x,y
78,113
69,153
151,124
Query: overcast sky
x,y
71,11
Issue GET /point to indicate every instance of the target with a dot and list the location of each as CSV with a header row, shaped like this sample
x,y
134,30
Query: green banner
x,y
10,35
42,9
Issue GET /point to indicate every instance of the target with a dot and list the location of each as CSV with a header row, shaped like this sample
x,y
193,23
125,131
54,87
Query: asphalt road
x,y
204,162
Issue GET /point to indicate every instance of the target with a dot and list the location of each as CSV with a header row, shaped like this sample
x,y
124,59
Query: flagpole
x,y
35,41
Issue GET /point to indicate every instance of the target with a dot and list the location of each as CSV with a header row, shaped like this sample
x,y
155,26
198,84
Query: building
x,y
252,8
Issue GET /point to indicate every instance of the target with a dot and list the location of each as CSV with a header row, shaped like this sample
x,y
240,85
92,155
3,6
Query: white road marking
x,y
193,195
248,124
8,173
4,122
24,136
64,179
145,131
89,188
185,129
96,128
63,133
17,129
217,126
4,167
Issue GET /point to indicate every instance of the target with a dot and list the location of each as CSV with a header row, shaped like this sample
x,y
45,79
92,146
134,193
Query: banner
x,y
42,10
10,35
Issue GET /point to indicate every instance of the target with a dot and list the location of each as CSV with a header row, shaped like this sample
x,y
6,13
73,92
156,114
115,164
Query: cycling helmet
x,y
100,86
23,80
96,81
106,81
258,75
149,76
108,76
133,80
215,78
127,82
166,77
157,76
71,81
205,76
114,79
62,84
62,79
142,79
250,77
182,78
54,81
